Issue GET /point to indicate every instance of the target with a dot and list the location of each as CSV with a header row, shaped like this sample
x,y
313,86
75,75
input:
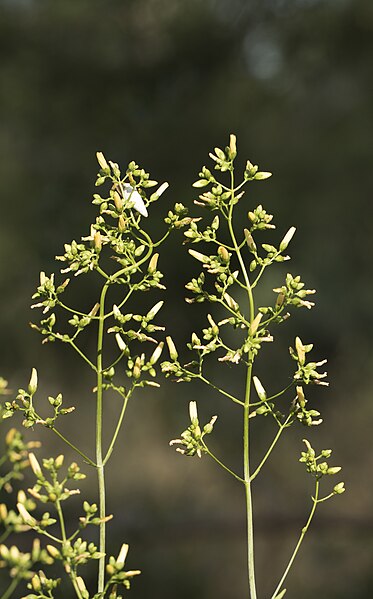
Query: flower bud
x,y
156,353
35,465
120,342
35,583
33,384
232,146
193,413
121,559
97,241
172,349
137,368
259,389
223,254
102,162
153,264
286,240
301,352
249,239
154,310
255,324
339,488
333,470
118,201
121,224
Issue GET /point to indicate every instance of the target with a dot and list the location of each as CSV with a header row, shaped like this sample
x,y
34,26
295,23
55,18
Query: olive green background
x,y
162,82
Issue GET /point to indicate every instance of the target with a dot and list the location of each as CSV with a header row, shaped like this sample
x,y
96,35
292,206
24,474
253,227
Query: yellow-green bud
x,y
249,239
153,264
121,224
59,460
223,253
301,352
255,324
35,583
137,368
53,551
301,397
3,512
97,241
101,160
118,201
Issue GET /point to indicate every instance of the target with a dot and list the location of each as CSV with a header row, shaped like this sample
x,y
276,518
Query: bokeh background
x,y
162,82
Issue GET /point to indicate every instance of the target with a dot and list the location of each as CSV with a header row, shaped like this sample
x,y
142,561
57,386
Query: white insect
x,y
130,193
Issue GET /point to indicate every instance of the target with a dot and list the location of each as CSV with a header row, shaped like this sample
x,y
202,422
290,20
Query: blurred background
x,y
162,82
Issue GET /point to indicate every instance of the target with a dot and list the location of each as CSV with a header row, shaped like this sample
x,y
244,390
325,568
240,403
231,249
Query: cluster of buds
x,y
49,292
319,468
305,416
293,293
191,439
307,372
117,574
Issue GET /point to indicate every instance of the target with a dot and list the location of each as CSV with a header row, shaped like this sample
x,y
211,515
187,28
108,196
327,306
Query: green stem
x,y
79,351
302,535
117,428
11,588
83,455
221,391
221,463
99,460
246,414
271,447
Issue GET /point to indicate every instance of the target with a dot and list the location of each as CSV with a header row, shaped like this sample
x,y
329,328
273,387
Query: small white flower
x,y
130,193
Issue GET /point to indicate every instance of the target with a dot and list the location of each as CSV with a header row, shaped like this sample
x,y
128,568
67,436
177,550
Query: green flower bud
x,y
339,488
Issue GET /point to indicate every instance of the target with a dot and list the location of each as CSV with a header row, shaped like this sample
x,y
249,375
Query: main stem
x,y
249,506
99,459
246,413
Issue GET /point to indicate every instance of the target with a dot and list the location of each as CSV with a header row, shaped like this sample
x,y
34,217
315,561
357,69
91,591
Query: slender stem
x,y
302,535
117,428
83,455
11,588
271,447
246,414
221,463
99,460
77,349
221,391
